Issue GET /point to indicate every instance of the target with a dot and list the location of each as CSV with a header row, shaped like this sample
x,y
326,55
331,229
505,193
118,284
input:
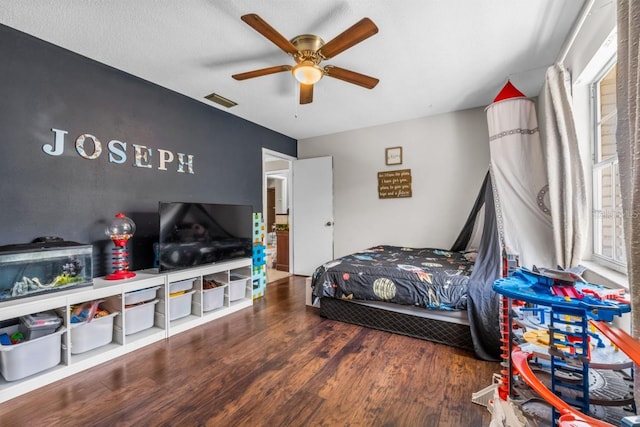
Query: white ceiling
x,y
431,56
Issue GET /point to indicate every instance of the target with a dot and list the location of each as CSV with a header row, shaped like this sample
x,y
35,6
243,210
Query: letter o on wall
x,y
97,146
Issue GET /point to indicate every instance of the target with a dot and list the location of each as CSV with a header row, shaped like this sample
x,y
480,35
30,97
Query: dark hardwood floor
x,y
276,364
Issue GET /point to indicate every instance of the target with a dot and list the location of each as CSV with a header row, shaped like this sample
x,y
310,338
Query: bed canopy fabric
x,y
519,175
512,209
483,305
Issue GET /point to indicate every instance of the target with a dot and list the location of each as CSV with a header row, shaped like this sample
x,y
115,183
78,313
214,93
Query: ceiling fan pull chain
x,y
296,109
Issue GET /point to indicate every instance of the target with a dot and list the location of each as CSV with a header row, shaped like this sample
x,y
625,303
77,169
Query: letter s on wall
x,y
117,151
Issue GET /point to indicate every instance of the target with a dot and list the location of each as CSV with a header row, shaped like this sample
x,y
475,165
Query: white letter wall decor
x,y
189,163
142,155
58,143
117,151
165,156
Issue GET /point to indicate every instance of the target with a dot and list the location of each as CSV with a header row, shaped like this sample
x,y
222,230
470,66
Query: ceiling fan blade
x,y
351,76
261,26
306,94
353,35
261,72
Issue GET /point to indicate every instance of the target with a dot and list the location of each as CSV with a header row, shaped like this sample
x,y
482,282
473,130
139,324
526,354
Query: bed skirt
x,y
453,333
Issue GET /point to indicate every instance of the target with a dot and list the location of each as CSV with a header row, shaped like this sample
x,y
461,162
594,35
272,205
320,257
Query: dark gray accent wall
x,y
44,87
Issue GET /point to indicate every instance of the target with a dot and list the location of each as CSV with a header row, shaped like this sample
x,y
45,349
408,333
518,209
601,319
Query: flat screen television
x,y
193,234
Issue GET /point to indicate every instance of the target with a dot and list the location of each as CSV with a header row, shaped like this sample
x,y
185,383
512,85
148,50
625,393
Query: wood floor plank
x,y
299,410
275,364
282,373
360,366
409,369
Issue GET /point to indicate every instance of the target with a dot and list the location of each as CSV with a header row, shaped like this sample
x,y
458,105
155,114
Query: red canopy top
x,y
508,91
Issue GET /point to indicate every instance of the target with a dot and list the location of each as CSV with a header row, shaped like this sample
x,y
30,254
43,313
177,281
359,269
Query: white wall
x,y
448,155
276,165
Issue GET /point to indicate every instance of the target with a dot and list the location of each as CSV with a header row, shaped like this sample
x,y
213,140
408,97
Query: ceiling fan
x,y
308,51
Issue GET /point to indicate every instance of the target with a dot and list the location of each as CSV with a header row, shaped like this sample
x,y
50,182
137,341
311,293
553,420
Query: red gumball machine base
x,y
120,262
119,275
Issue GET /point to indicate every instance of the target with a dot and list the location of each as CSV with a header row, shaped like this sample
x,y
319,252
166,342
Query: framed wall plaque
x,y
393,156
394,184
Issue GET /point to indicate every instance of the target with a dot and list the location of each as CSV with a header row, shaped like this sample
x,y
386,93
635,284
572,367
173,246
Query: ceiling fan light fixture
x,y
307,72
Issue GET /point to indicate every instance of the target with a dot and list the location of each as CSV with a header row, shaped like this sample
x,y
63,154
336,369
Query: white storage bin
x,y
183,285
180,305
30,357
237,287
212,298
86,336
142,295
139,317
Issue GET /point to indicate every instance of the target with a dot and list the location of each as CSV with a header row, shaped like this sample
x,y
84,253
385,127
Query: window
x,y
608,237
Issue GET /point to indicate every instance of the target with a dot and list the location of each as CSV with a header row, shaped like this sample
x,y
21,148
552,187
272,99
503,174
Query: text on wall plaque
x,y
394,184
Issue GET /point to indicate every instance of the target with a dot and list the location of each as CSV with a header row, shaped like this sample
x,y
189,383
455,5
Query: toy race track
x,y
625,342
569,417
549,316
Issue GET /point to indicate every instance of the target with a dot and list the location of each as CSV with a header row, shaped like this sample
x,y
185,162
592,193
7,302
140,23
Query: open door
x,y
312,214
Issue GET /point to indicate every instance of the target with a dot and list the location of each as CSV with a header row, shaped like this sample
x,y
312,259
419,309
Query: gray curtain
x,y
567,191
628,147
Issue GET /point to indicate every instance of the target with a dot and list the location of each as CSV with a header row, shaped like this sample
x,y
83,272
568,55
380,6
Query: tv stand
x,y
236,295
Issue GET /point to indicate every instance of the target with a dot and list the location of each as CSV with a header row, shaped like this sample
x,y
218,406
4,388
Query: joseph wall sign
x,y
143,157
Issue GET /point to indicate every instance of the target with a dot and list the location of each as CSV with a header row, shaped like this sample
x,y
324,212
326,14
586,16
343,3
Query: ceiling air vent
x,y
214,97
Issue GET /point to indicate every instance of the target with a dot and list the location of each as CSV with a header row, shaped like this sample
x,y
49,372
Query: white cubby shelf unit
x,y
129,333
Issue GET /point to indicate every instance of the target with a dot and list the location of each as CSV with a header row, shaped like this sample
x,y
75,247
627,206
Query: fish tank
x,y
36,268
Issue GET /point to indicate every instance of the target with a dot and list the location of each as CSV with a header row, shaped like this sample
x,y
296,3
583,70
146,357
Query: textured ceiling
x,y
431,56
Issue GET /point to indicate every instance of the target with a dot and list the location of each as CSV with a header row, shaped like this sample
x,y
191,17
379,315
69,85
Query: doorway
x,y
277,196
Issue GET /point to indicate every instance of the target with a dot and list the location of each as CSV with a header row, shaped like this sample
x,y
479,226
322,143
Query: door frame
x,y
281,156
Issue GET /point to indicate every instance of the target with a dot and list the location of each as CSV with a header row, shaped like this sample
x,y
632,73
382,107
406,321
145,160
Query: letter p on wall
x,y
165,156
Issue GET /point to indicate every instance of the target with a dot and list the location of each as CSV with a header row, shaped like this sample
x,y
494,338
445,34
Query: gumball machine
x,y
120,230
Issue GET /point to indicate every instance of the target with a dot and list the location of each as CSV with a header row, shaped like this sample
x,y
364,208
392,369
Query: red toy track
x,y
570,417
623,340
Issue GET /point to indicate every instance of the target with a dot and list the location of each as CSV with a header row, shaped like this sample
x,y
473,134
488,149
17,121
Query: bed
x,y
422,277
439,295
420,292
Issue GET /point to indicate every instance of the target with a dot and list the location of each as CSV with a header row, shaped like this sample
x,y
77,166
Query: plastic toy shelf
x,y
147,308
198,305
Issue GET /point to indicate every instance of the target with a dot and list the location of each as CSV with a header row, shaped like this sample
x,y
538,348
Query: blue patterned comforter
x,y
423,277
